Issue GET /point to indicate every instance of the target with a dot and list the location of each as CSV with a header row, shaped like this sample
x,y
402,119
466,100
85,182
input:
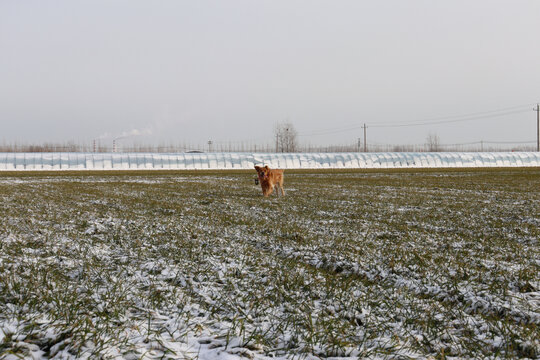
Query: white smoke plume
x,y
134,132
104,136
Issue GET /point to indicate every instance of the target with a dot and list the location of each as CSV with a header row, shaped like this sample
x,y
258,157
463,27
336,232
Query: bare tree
x,y
286,137
433,142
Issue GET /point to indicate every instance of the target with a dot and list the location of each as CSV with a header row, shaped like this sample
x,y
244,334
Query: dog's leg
x,y
281,187
267,190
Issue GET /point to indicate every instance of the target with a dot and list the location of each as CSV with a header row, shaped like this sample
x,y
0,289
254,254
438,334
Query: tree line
x,y
285,140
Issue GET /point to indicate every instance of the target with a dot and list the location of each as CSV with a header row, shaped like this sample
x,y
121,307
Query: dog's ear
x,y
257,168
266,167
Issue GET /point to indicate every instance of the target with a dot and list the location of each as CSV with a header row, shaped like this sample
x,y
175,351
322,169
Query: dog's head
x,y
262,172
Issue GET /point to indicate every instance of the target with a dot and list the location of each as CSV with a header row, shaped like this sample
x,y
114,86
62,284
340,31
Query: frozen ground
x,y
409,264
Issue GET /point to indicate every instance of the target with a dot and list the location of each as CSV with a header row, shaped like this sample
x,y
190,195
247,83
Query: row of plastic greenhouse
x,y
219,161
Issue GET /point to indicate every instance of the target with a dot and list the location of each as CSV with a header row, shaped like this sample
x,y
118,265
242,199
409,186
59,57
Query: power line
x,y
467,115
465,143
432,121
332,130
509,142
452,121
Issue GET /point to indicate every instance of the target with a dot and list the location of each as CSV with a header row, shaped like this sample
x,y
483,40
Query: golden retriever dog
x,y
270,178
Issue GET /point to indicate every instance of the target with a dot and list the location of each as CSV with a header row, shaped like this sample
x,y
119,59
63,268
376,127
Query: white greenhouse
x,y
221,161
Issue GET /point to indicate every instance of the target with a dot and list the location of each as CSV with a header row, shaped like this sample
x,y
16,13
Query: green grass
x,y
349,263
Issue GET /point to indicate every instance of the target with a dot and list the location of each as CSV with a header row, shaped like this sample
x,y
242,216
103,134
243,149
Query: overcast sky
x,y
191,71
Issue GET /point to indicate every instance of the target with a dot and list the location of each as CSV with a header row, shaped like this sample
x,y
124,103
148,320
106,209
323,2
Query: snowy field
x,y
357,264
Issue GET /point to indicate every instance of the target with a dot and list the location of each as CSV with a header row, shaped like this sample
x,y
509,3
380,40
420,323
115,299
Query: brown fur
x,y
270,178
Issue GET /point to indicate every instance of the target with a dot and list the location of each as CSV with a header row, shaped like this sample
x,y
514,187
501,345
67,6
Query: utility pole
x,y
537,127
288,140
365,142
